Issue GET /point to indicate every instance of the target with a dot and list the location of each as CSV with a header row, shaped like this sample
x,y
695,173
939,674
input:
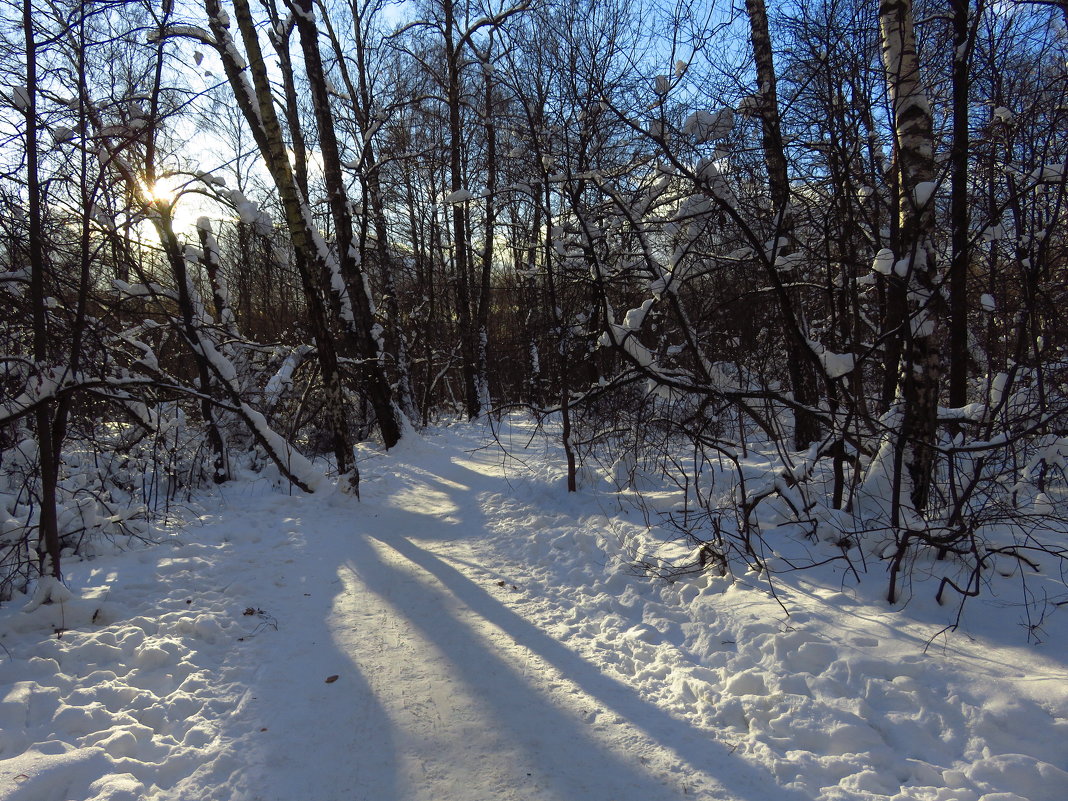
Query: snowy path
x,y
444,692
469,632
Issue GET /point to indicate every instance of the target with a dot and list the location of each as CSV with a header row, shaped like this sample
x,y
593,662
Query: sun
x,y
170,196
162,192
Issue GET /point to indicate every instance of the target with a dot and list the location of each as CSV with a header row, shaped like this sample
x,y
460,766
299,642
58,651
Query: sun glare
x,y
166,194
161,191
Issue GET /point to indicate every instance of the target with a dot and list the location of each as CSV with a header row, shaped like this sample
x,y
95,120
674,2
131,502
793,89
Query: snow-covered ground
x,y
468,632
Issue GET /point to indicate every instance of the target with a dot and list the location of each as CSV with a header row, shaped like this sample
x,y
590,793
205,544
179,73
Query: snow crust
x,y
471,632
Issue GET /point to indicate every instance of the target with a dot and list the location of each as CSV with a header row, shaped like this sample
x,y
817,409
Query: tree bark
x,y
360,328
461,255
48,546
922,362
958,213
798,354
257,104
368,171
485,285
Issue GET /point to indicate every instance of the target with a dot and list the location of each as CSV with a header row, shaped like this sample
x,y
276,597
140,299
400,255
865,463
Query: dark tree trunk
x,y
798,356
257,105
372,374
48,547
461,251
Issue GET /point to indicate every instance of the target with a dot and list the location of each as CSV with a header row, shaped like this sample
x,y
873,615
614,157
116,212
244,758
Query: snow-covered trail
x,y
443,691
469,631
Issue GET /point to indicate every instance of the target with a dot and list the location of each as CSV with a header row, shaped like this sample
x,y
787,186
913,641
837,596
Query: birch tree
x,y
915,274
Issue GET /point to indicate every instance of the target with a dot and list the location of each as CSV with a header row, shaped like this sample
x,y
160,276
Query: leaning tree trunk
x,y
373,376
189,326
164,223
256,101
922,359
213,372
374,211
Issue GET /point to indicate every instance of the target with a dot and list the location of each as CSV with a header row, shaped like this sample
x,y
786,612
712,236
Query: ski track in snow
x,y
467,633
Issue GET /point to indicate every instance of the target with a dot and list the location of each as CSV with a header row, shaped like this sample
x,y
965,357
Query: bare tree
x,y
47,446
917,277
798,356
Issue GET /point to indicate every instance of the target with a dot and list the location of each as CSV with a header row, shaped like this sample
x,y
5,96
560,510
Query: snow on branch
x,y
183,32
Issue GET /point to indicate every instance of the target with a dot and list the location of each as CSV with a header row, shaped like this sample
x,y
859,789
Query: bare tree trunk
x,y
87,190
176,258
48,548
798,356
958,214
257,105
371,369
164,224
922,363
371,184
485,287
461,256
220,294
535,395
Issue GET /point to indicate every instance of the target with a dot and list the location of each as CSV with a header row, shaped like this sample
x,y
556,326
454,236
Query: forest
x,y
250,236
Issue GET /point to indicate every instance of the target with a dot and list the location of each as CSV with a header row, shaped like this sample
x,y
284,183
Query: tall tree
x,y
361,327
798,357
256,100
960,200
47,447
916,276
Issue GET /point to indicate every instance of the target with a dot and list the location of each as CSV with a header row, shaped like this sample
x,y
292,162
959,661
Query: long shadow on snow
x,y
291,707
569,747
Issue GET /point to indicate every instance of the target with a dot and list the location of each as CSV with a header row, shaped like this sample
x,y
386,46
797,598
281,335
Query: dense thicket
x,y
248,235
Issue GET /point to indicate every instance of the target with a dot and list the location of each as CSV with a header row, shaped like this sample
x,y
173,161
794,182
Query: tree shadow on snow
x,y
570,760
317,729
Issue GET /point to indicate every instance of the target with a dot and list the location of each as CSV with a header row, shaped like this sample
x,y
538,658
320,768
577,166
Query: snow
x,y
187,31
1049,174
1003,115
923,193
470,631
49,590
884,262
624,335
749,106
297,464
20,98
249,212
283,378
707,126
633,319
836,365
